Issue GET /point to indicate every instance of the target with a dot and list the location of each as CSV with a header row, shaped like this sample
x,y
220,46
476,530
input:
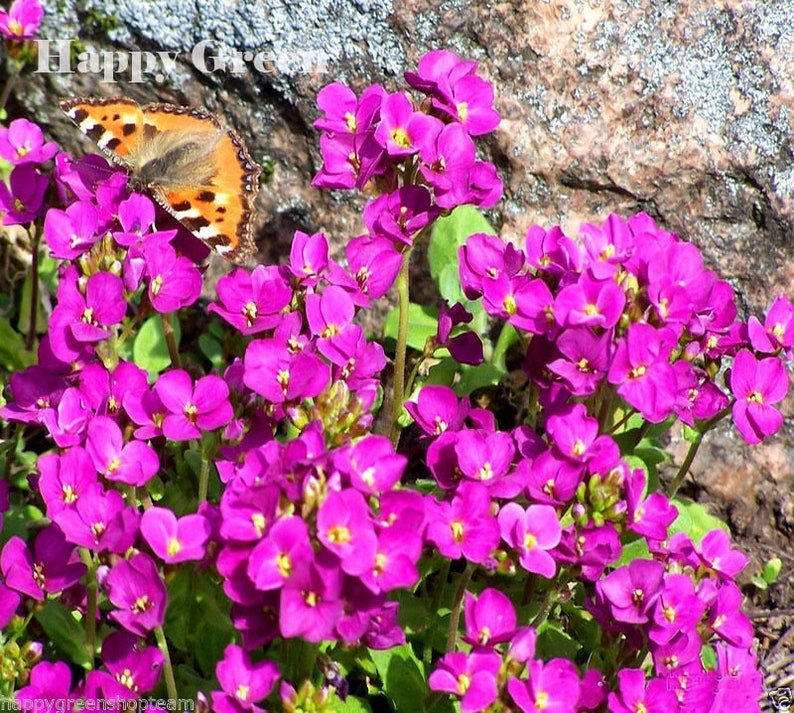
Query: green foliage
x,y
769,573
13,353
695,520
197,619
449,234
422,324
403,678
65,633
150,350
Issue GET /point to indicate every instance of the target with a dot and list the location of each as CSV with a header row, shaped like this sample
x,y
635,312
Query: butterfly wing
x,y
114,124
216,204
202,175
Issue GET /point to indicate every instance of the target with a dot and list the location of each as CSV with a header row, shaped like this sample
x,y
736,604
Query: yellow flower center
x,y
401,138
509,305
457,531
486,472
283,381
16,29
463,112
259,521
284,565
97,530
38,574
142,604
339,535
380,564
249,312
125,679
174,547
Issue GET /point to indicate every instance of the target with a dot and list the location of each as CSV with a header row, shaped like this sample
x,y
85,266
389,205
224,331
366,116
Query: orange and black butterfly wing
x,y
114,124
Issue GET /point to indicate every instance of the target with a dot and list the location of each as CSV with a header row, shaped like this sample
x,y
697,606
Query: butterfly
x,y
200,173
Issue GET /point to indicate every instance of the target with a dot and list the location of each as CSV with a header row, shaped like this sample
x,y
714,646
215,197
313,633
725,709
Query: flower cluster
x,y
501,653
266,480
382,139
631,308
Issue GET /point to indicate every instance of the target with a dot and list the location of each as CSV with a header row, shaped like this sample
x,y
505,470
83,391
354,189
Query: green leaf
x,y
65,632
443,373
23,323
150,351
635,550
403,680
211,348
772,570
422,323
760,583
197,619
16,519
708,657
212,629
177,615
13,354
694,520
477,377
449,233
553,641
352,705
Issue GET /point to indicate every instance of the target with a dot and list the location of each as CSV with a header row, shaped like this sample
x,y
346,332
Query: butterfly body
x,y
196,170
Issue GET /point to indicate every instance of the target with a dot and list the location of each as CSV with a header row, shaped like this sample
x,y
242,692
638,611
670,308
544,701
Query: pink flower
x,y
192,408
175,540
757,385
23,141
243,683
532,532
137,590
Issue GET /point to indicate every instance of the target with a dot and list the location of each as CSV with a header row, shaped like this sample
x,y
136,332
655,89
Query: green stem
x,y
170,681
91,605
170,340
457,604
507,337
204,480
684,469
529,588
398,393
703,429
553,590
11,454
441,581
35,237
